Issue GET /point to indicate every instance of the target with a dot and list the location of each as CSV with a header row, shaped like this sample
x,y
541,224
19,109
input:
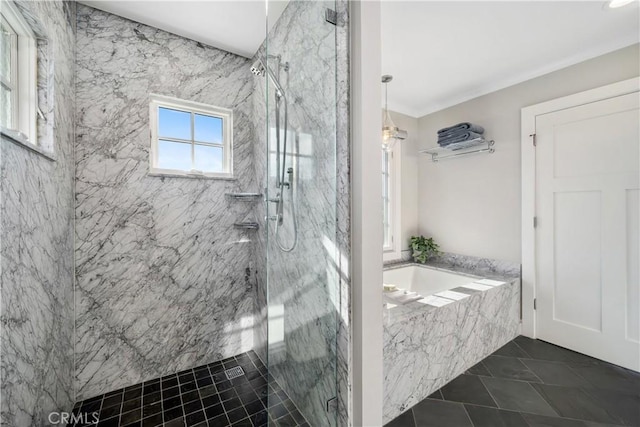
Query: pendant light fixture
x,y
390,132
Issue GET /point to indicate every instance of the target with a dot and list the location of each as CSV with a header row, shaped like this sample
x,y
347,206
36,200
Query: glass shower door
x,y
302,281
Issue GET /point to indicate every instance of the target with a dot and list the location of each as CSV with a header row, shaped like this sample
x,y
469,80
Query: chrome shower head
x,y
258,68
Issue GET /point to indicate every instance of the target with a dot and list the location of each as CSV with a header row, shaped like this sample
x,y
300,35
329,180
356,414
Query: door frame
x,y
528,171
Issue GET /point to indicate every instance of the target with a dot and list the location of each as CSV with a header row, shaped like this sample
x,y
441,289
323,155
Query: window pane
x,y
174,124
208,159
6,109
208,129
174,155
385,199
5,50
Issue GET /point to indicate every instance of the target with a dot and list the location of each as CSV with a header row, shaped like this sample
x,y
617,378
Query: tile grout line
x,y
530,386
488,392
545,400
509,379
464,408
496,408
540,415
569,364
413,417
198,379
522,349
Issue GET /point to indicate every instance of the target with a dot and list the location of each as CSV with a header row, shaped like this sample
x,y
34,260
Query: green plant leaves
x,y
423,248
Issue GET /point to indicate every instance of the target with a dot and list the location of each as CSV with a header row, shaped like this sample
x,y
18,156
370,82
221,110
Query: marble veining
x,y
163,280
465,264
425,347
36,237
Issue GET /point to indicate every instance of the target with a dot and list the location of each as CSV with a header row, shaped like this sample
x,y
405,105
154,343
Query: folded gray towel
x,y
458,137
466,126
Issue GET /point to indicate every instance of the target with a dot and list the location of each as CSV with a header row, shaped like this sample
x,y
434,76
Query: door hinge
x,y
535,304
535,141
331,16
535,221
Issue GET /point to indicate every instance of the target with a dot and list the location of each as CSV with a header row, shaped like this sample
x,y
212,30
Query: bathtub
x,y
461,319
425,280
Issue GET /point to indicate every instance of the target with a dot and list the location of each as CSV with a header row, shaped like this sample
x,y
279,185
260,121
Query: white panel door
x,y
587,180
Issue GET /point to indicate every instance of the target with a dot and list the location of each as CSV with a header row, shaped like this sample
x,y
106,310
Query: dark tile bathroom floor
x,y
530,383
199,397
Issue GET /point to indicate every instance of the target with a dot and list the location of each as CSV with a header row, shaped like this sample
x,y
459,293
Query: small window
x,y
18,96
386,199
190,139
391,204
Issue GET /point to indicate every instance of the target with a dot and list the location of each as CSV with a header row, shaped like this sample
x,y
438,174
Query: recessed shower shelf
x,y
460,149
244,197
246,225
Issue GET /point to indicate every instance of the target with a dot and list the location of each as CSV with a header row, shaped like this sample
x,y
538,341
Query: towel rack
x,y
474,146
244,197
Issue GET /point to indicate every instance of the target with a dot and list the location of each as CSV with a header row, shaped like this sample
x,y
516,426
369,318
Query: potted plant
x,y
423,248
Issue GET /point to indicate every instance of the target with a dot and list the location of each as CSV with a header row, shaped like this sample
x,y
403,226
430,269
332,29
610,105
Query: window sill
x,y
19,139
391,254
161,174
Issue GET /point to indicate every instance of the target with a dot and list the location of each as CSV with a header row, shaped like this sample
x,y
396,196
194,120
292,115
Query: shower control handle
x,y
275,218
290,181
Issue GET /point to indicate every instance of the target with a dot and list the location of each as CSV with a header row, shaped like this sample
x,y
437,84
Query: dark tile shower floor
x,y
530,383
199,397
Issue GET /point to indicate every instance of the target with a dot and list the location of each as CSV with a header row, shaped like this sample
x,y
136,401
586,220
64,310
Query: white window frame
x,y
24,78
393,250
225,114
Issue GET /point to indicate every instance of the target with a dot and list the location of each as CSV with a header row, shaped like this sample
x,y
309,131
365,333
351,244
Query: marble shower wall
x,y
36,238
307,318
163,278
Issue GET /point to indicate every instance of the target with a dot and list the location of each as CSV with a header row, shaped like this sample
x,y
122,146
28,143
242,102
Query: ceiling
x,y
441,53
235,26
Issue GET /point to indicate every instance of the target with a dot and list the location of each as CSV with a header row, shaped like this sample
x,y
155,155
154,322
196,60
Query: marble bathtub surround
x,y
36,231
400,296
163,280
429,342
477,284
465,264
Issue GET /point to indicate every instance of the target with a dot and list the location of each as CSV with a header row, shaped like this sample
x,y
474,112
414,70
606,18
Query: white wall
x,y
471,205
366,228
